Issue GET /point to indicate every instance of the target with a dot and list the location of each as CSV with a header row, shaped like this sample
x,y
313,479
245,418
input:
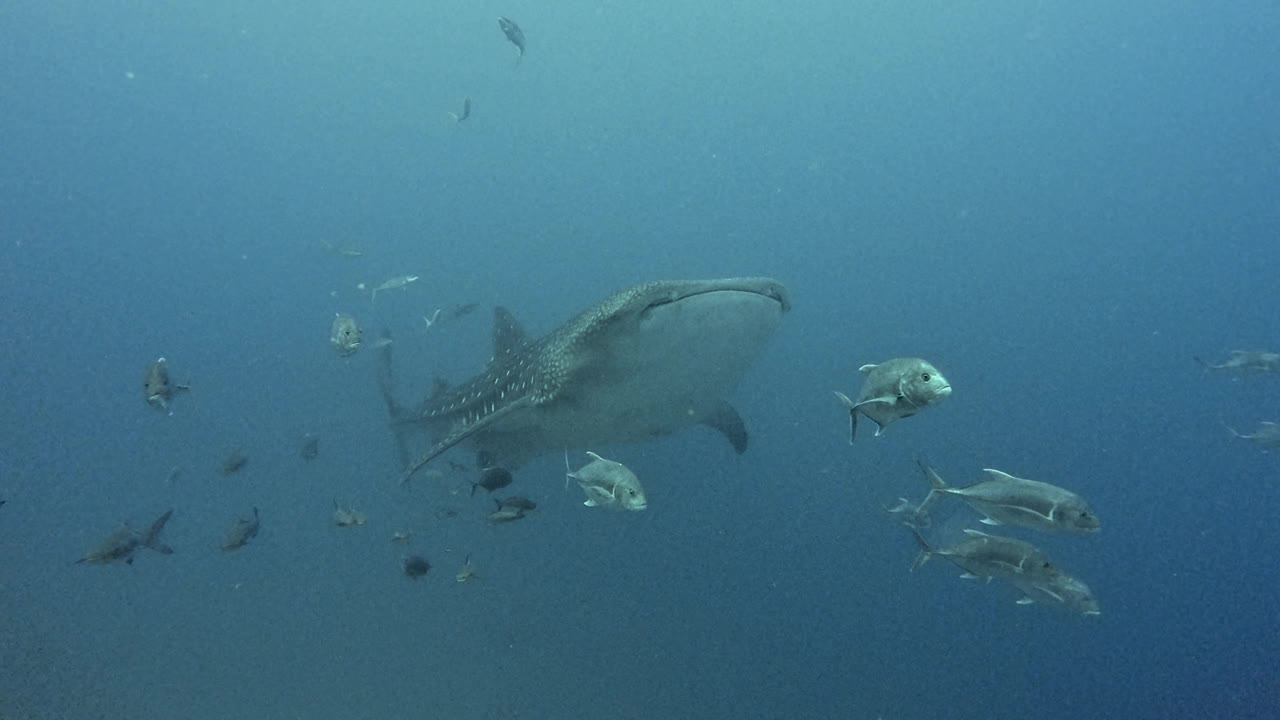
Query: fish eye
x,y
925,377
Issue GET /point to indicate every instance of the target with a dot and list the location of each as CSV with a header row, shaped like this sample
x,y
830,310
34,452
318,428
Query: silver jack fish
x,y
396,283
344,334
989,556
466,111
608,484
1007,500
893,390
1061,590
157,387
1267,436
1246,362
513,33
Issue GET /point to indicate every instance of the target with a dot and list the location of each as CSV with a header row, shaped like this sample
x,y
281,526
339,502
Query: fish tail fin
x,y
568,471
853,413
1231,430
936,485
152,537
925,551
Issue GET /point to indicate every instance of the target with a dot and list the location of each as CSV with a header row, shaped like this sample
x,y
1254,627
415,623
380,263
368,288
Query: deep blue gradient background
x,y
1059,204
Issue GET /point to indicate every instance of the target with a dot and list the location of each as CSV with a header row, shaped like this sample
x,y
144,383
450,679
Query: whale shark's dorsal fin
x,y
508,335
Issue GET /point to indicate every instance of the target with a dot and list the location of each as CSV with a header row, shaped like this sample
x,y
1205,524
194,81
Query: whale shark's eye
x,y
925,377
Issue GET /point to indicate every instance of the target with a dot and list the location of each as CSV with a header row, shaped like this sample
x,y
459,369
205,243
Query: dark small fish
x,y
513,33
242,532
516,502
492,478
234,463
462,310
157,387
415,566
466,111
123,542
310,447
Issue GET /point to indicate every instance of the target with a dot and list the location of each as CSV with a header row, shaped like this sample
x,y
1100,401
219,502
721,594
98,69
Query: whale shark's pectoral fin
x,y
729,423
464,431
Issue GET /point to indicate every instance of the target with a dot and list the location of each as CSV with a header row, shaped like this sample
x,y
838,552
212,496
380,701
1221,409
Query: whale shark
x,y
644,362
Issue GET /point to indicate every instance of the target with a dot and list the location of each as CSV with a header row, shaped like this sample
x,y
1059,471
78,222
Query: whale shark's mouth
x,y
770,290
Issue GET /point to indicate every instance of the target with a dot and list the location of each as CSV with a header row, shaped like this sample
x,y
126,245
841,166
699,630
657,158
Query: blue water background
x,y
1058,203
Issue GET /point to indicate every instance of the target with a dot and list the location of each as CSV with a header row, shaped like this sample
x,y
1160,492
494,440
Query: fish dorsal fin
x,y
975,533
508,336
998,475
594,456
867,368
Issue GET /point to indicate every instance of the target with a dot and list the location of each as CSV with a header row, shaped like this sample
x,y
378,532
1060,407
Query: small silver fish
x,y
608,484
1007,500
893,390
1267,436
466,111
342,249
347,517
1246,362
467,573
345,334
395,283
244,530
